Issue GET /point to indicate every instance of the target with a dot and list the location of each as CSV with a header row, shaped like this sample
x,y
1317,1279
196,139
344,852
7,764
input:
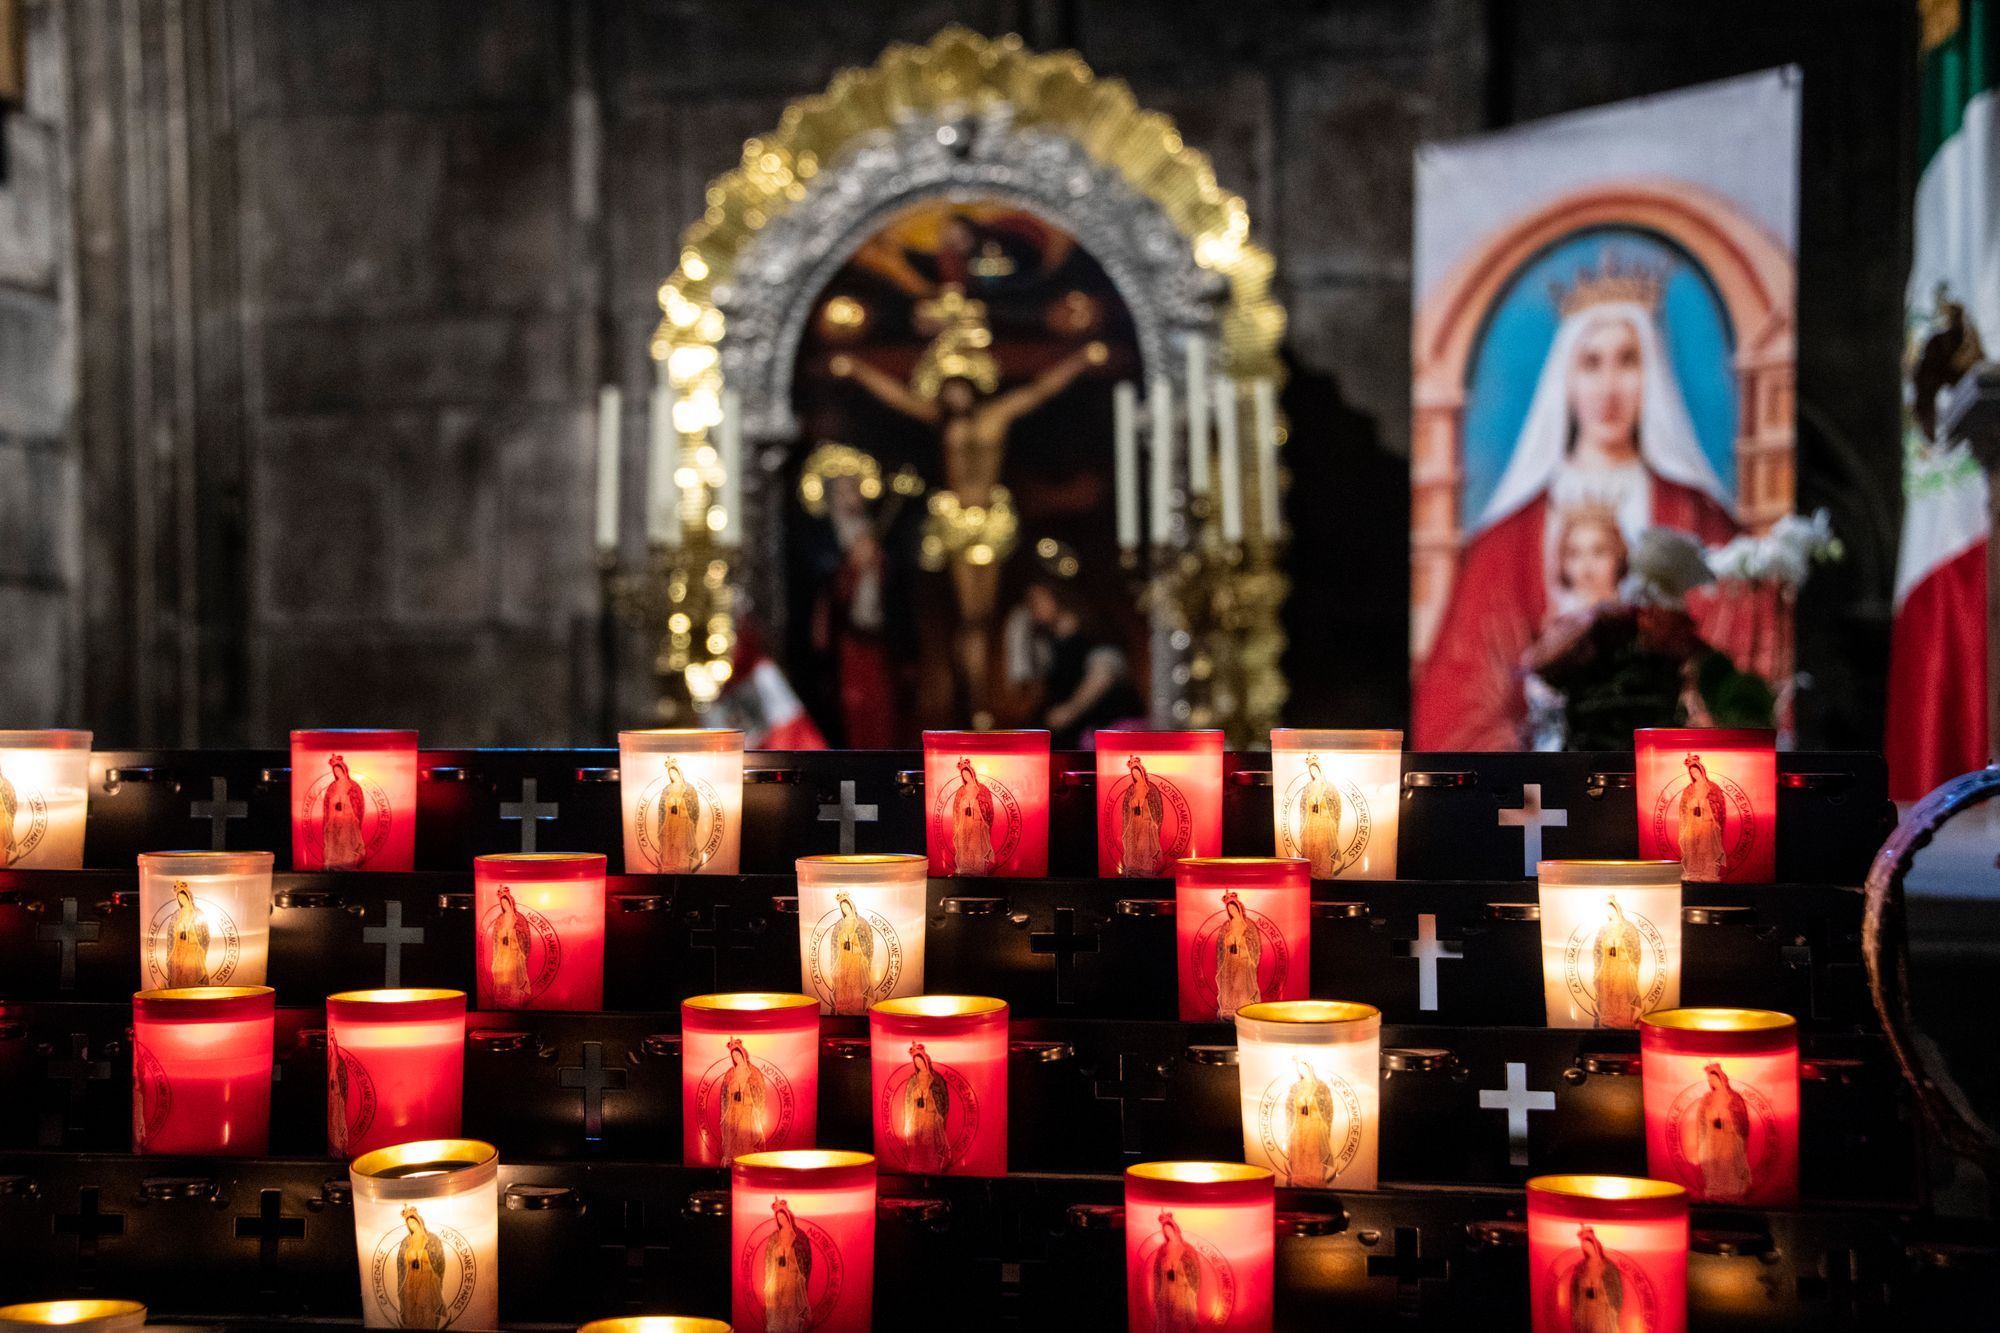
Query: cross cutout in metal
x,y
1531,819
79,1071
635,1251
218,810
719,937
271,1228
1428,950
593,1080
87,1223
1134,1073
848,814
1517,1099
66,935
1408,1265
1065,944
530,811
392,935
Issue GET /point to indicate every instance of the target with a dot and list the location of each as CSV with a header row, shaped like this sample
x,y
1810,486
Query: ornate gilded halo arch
x,y
966,118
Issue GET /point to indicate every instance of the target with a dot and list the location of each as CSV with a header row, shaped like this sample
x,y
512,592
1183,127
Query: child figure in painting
x,y
187,955
922,1122
971,824
1615,967
787,1271
1142,815
743,1092
1704,819
1238,948
853,959
1722,1139
678,819
342,846
1319,822
419,1275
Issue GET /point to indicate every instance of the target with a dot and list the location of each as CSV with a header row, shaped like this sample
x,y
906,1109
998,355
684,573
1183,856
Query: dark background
x,y
303,308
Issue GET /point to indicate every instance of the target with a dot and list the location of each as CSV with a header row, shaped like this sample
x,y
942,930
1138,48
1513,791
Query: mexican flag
x,y
1937,658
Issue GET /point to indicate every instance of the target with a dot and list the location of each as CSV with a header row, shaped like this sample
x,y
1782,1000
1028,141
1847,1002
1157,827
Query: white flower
x,y
1783,556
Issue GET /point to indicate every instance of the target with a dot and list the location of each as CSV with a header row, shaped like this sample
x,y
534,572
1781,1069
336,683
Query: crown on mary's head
x,y
1612,280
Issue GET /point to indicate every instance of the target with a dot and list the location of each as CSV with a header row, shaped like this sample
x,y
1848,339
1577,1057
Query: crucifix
x,y
1138,1081
1065,943
392,935
1517,1099
1531,819
593,1080
529,811
848,814
66,935
1427,949
218,810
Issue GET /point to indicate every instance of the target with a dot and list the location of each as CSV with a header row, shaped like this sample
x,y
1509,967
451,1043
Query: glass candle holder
x,y
939,1077
427,1233
354,800
540,938
207,918
1607,1252
1311,1077
655,1323
201,1070
395,1068
861,929
1336,800
683,794
1722,1103
749,1075
1708,798
1611,941
1199,1246
802,1241
74,1316
1159,798
1244,928
44,796
988,797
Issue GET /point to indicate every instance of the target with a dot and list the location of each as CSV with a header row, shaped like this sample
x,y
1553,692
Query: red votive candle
x,y
395,1068
802,1241
201,1070
1244,926
1199,1248
988,793
541,930
1722,1103
1607,1252
1708,798
940,1084
749,1075
354,800
1159,798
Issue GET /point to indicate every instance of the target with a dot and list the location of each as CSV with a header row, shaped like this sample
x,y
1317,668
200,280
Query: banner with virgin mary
x,y
1603,344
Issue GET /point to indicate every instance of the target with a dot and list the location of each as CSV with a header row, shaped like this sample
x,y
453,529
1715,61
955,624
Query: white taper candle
x,y
1270,513
663,462
1160,403
1125,461
1229,458
608,423
1197,413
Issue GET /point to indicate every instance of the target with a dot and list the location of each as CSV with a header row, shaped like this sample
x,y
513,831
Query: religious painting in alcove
x,y
1602,465
951,552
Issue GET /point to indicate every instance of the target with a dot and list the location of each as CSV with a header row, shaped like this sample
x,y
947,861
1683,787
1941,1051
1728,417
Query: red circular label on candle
x,y
1184,1279
1323,820
855,958
1706,819
191,942
743,1104
928,1116
979,821
24,820
152,1095
1722,1137
1616,968
680,821
791,1270
1592,1287
422,1276
1146,818
350,1098
1240,957
523,951
1311,1125
346,818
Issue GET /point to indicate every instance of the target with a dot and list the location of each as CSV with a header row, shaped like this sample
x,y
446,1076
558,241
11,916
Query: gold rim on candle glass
x,y
391,995
1198,1173
939,1006
655,1323
1308,1011
1606,1188
1719,1020
750,1001
55,1313
425,1158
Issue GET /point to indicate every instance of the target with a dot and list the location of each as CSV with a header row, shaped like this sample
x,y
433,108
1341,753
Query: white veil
x,y
1667,442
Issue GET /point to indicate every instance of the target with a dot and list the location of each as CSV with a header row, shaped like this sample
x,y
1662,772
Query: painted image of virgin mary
x,y
1238,949
1607,427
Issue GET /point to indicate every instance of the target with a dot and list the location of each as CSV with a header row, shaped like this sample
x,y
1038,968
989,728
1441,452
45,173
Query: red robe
x,y
1468,692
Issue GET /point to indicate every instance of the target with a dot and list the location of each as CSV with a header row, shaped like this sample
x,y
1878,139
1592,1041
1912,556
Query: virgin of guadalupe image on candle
x,y
1722,1139
677,823
1142,818
853,943
743,1091
1319,822
507,962
1615,969
1239,947
419,1275
187,953
1704,820
343,846
1595,1293
1308,1130
972,814
786,1270
336,1098
10,807
1174,1281
923,1114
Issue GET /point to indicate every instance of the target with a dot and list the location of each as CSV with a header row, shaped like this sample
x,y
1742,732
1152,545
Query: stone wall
x,y
336,382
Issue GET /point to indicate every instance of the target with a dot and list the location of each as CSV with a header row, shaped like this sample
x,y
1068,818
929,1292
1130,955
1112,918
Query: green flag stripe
x,y
1958,70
